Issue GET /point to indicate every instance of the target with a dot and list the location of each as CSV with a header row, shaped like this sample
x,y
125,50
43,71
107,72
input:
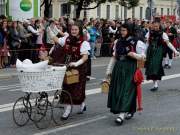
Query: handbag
x,y
71,76
105,85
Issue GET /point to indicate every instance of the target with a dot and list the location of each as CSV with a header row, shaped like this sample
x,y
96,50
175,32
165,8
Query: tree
x,y
46,4
82,4
129,3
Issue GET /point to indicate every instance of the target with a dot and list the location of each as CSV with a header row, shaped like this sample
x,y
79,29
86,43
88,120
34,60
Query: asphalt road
x,y
161,114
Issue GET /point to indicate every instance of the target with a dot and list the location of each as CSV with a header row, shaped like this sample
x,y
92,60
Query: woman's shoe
x,y
64,117
83,108
129,116
119,120
67,112
154,89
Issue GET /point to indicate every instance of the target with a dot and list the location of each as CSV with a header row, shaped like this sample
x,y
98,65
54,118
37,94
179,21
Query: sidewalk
x,y
11,72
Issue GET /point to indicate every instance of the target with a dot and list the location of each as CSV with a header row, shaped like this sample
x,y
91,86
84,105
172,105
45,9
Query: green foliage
x,y
84,4
126,3
129,3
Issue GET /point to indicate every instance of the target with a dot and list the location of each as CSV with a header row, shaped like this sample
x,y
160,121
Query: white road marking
x,y
9,86
92,78
71,125
8,107
101,65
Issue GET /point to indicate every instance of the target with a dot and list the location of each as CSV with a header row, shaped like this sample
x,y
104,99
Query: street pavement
x,y
160,115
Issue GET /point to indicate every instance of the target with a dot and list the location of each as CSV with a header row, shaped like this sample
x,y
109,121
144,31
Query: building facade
x,y
108,10
114,10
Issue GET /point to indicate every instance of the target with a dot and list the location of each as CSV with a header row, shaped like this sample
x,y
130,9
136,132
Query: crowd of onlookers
x,y
29,39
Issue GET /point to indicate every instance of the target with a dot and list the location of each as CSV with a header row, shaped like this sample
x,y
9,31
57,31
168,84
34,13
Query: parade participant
x,y
156,40
122,66
75,48
172,34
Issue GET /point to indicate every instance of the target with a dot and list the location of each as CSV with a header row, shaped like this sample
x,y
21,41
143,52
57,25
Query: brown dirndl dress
x,y
77,90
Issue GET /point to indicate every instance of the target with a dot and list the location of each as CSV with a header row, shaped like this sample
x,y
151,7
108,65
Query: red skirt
x,y
77,90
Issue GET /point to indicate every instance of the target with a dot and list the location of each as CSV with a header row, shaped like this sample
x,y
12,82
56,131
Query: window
x,y
51,11
108,12
99,11
141,13
65,9
125,12
117,11
2,7
162,11
155,11
174,11
168,11
133,12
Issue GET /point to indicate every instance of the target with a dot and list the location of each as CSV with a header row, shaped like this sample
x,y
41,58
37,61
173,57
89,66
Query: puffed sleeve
x,y
62,40
85,47
147,36
165,37
141,47
114,48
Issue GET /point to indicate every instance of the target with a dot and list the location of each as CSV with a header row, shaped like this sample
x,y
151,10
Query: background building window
x,y
51,11
168,11
125,12
117,11
65,9
155,11
108,12
141,13
2,7
162,11
99,11
174,11
133,12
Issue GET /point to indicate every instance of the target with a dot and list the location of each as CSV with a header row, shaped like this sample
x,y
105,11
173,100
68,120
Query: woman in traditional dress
x,y
122,66
75,48
156,40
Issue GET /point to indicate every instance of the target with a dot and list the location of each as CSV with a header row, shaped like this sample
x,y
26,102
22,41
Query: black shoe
x,y
64,118
87,79
166,66
154,89
129,116
119,121
83,110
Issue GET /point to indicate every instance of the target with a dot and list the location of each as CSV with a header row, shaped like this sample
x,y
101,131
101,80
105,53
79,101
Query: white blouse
x,y
164,36
141,47
85,47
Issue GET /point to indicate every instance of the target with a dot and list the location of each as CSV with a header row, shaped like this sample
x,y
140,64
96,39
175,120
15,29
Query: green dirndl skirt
x,y
154,68
122,91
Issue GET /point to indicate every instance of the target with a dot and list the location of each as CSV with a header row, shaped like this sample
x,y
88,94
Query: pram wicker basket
x,y
42,81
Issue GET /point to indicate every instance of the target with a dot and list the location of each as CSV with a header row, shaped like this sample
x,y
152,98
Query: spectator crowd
x,y
30,39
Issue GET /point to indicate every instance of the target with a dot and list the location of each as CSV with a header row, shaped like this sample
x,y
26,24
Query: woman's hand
x,y
177,53
73,64
137,56
76,64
